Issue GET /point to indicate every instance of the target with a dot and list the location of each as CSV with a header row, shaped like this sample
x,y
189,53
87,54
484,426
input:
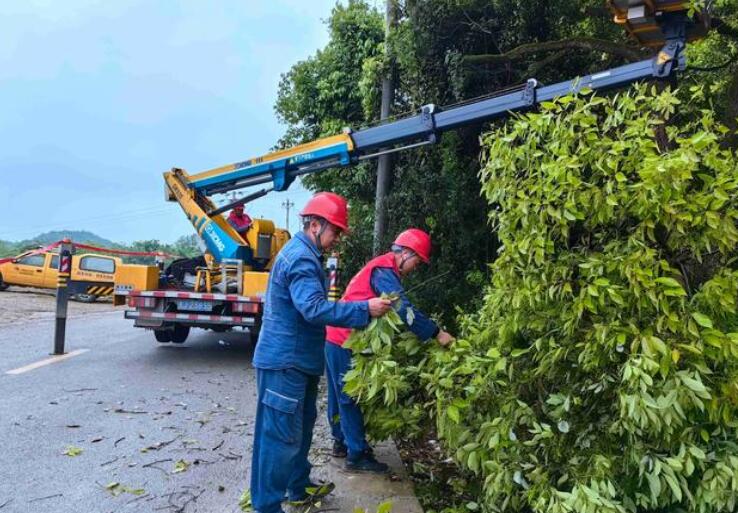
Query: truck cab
x,y
41,270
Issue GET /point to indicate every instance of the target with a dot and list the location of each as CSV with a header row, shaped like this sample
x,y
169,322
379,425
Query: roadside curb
x,y
364,490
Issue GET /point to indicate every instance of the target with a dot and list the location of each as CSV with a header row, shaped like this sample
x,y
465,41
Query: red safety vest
x,y
360,289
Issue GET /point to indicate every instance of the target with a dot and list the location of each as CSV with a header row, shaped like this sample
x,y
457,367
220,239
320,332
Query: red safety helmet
x,y
416,240
331,207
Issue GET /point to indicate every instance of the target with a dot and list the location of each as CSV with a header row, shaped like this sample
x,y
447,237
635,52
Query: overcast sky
x,y
98,98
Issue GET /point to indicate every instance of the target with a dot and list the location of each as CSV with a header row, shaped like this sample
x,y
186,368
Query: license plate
x,y
194,305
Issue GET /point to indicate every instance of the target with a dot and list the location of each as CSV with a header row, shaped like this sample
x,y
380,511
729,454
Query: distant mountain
x,y
74,235
187,245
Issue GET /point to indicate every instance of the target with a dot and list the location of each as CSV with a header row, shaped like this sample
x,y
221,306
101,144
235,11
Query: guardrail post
x,y
62,294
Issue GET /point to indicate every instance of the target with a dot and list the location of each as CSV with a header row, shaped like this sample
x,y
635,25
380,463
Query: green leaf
x,y
453,413
669,282
244,502
180,466
519,352
704,435
675,489
702,320
473,461
72,451
694,385
385,507
114,488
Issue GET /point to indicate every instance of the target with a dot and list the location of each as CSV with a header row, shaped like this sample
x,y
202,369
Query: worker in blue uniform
x,y
289,356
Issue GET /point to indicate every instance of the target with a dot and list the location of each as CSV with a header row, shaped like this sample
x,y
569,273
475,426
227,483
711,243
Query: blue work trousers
x,y
344,415
285,416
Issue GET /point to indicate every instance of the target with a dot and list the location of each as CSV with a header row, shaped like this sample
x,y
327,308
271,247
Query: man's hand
x,y
378,306
445,338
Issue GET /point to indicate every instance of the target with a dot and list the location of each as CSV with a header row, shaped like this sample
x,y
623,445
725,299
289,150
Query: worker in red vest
x,y
240,221
381,275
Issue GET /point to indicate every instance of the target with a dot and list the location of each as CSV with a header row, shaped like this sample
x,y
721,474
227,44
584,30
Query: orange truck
x,y
31,269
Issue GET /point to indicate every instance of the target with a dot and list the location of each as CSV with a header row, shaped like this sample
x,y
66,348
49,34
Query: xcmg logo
x,y
301,158
214,237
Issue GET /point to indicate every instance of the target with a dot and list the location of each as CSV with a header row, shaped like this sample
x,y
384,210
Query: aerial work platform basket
x,y
641,19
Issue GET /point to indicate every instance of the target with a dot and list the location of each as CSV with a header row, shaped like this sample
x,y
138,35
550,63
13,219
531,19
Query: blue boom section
x,y
218,241
429,122
282,167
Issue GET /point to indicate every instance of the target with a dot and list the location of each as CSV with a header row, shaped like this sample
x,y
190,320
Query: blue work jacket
x,y
296,311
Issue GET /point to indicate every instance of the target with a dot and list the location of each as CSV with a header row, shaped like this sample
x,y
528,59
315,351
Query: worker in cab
x,y
240,221
290,355
382,275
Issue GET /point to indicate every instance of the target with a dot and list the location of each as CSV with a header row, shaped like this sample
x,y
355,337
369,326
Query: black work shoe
x,y
366,462
339,449
313,493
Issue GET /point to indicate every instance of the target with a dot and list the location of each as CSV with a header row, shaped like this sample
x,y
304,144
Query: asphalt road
x,y
135,408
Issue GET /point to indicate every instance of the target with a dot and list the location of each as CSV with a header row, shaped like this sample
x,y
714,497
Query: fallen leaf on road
x,y
245,501
72,451
180,466
116,489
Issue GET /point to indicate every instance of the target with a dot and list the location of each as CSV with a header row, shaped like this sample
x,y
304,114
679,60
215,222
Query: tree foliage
x,y
601,373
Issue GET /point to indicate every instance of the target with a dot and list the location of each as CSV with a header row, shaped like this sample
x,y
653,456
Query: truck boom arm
x,y
280,168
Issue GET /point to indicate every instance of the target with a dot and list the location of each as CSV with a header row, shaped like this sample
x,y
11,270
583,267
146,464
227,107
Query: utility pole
x,y
287,204
384,166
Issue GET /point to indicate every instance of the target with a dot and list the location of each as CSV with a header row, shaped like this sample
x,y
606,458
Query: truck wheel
x,y
180,333
85,298
163,336
3,285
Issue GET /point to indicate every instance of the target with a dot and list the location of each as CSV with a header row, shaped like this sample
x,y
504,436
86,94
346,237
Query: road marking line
x,y
53,359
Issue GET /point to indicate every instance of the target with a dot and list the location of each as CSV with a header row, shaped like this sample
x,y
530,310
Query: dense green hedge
x,y
601,373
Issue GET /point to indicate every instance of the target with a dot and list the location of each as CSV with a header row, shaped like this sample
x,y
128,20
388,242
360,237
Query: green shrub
x,y
601,373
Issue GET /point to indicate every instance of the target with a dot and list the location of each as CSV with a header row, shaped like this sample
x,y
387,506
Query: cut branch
x,y
630,53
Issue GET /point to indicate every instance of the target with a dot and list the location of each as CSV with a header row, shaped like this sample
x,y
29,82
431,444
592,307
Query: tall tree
x,y
449,51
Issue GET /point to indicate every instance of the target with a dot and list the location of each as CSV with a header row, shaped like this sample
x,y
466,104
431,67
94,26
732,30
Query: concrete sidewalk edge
x,y
362,490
